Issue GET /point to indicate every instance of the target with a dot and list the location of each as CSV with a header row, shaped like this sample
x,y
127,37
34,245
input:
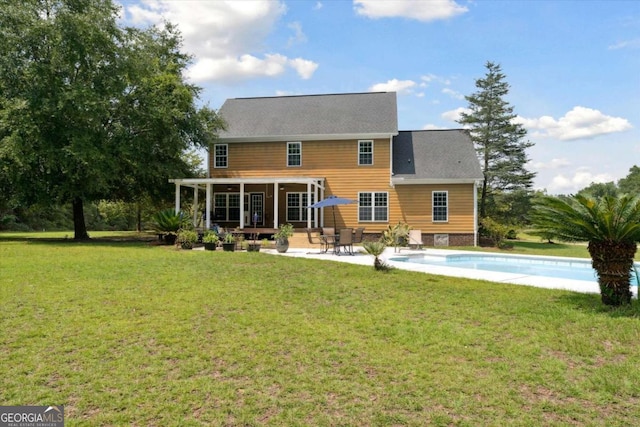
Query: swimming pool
x,y
559,268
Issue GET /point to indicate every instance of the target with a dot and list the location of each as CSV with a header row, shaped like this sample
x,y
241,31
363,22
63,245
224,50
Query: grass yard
x,y
128,333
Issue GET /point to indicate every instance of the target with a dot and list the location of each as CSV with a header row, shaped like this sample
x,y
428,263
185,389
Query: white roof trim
x,y
306,137
410,181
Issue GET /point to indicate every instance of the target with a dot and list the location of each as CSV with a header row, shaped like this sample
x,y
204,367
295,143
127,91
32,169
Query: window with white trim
x,y
220,155
440,203
294,153
365,152
226,206
297,207
373,207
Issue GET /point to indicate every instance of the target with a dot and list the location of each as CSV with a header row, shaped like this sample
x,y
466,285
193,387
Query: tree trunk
x,y
79,226
613,262
138,218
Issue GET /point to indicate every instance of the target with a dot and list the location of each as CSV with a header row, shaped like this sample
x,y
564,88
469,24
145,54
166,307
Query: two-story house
x,y
279,155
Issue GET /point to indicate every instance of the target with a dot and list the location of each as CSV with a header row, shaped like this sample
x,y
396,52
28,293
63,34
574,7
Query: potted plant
x,y
187,238
253,246
229,243
282,237
210,240
167,223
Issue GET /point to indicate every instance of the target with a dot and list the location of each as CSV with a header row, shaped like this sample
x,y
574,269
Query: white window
x,y
373,207
297,207
294,154
220,155
227,206
365,152
440,206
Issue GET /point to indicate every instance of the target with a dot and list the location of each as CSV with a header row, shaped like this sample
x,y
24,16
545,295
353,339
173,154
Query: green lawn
x,y
128,333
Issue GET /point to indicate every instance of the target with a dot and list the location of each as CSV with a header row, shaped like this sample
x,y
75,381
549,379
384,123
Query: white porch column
x,y
177,197
207,213
309,201
316,220
276,194
242,205
195,204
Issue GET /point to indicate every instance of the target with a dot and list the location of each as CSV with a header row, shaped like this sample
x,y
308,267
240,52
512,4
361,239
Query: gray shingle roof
x,y
434,156
310,117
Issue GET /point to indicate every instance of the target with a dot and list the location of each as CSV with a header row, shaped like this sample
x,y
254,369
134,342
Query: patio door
x,y
257,207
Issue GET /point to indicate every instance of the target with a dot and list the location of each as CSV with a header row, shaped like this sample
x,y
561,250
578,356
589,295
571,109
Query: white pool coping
x,y
492,276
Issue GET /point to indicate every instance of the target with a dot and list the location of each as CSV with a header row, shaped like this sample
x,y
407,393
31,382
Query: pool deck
x,y
492,276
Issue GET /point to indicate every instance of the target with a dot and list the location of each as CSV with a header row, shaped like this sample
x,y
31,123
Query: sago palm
x,y
376,249
611,226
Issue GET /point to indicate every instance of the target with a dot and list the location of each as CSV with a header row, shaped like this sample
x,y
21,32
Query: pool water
x,y
527,266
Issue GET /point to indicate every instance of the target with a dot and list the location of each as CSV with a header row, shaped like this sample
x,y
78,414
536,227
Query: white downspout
x,y
475,213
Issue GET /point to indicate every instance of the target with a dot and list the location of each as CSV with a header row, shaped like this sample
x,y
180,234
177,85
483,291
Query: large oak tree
x,y
90,110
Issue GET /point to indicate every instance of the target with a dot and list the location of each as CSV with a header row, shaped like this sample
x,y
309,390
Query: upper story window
x,y
365,152
440,206
220,155
373,207
294,154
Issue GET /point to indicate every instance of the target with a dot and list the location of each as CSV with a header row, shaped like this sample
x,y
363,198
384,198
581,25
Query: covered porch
x,y
262,203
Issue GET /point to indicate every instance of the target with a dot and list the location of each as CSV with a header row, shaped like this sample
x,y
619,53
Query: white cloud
x,y
298,35
454,115
452,93
626,44
581,178
226,38
553,164
579,123
403,87
419,10
431,126
303,67
318,6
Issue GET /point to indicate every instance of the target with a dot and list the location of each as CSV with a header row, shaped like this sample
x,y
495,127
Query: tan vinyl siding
x,y
415,207
337,162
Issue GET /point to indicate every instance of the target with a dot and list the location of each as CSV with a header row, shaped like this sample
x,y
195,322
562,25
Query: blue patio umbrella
x,y
332,201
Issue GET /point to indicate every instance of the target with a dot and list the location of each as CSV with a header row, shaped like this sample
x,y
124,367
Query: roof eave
x,y
314,137
422,181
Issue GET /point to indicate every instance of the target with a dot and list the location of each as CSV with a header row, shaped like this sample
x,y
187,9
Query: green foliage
x,y
167,221
499,140
631,183
376,249
396,235
494,231
599,190
610,224
583,219
284,232
187,238
210,236
229,238
90,110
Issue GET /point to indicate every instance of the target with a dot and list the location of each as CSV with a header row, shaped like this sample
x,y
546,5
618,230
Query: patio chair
x,y
345,241
359,234
313,235
415,238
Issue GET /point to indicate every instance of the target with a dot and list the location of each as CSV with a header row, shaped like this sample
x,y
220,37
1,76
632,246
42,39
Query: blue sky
x,y
573,66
